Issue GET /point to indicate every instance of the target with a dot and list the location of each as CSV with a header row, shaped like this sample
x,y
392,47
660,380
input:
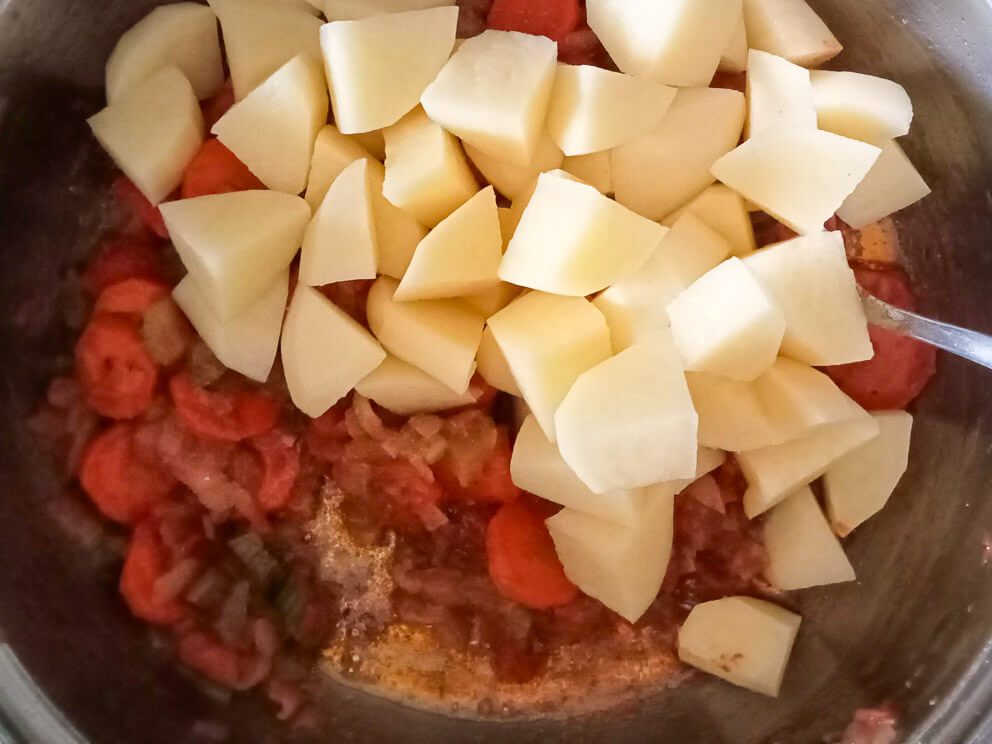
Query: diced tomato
x,y
119,259
117,374
522,559
131,296
582,47
225,416
146,562
552,18
351,297
397,494
730,80
902,366
280,457
328,434
491,482
216,107
149,215
227,666
122,486
217,170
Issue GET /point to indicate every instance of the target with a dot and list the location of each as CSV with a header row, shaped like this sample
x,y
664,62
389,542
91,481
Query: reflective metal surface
x,y
914,631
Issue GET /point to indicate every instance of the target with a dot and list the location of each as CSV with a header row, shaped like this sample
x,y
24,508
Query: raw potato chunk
x,y
621,566
593,109
610,423
460,256
734,57
678,42
152,132
325,353
261,36
790,29
548,341
405,390
273,129
574,241
439,337
493,93
538,468
378,67
511,219
247,342
332,153
775,472
398,233
799,176
183,35
860,483
863,107
340,242
427,174
493,300
235,245
636,305
595,169
804,276
354,10
892,184
511,180
802,549
726,212
702,125
779,94
493,366
732,415
742,640
374,142
727,324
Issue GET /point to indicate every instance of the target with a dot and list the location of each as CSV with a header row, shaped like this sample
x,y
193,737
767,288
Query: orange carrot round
x,y
217,170
225,416
131,296
146,562
117,374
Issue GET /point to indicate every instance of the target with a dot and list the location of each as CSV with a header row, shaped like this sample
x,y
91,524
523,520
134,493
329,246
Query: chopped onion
x,y
173,583
251,551
233,619
208,591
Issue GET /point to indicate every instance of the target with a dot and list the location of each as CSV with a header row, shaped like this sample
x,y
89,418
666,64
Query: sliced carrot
x,y
552,18
490,484
117,374
216,107
217,170
131,296
280,468
119,259
149,215
145,563
226,416
522,559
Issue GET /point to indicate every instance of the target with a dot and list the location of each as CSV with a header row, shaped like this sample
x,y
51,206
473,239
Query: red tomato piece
x,y
327,435
280,458
117,373
131,296
552,18
491,483
215,107
119,259
522,559
226,416
217,170
582,47
410,499
145,563
150,216
206,654
123,487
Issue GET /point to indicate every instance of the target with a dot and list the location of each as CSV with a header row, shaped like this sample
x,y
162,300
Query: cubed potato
x,y
799,176
635,306
727,324
862,107
494,91
511,180
235,245
790,29
611,421
461,256
493,366
802,550
491,301
354,10
595,169
439,337
374,142
702,125
548,341
378,67
574,241
732,415
152,131
183,35
593,109
427,174
742,640
398,234
622,566
892,184
511,219
405,390
332,153
261,36
773,473
805,275
734,57
679,42
325,352
273,129
726,212
859,484
779,94
340,243
247,342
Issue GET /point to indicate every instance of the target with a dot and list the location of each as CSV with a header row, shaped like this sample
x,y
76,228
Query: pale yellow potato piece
x,y
726,212
732,416
548,341
494,91
595,169
354,10
439,337
378,67
398,233
742,640
152,131
511,219
491,301
247,342
332,153
509,179
235,245
779,94
405,390
702,125
182,35
790,29
859,484
892,184
493,366
863,107
374,142
802,549
734,57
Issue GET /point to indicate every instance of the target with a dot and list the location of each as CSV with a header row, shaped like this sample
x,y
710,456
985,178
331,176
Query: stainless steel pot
x,y
913,632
